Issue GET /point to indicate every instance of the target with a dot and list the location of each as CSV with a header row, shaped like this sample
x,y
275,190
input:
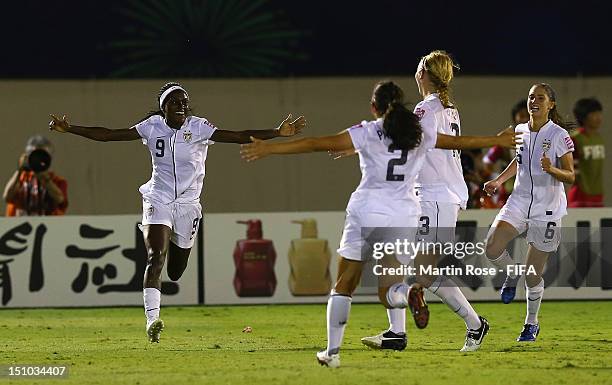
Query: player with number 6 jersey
x,y
542,164
178,143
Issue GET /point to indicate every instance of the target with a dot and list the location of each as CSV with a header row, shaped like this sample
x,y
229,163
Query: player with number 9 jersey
x,y
178,143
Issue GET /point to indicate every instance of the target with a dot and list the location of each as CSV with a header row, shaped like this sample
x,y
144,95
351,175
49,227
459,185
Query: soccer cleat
x,y
418,307
332,361
508,290
386,340
529,333
154,329
474,338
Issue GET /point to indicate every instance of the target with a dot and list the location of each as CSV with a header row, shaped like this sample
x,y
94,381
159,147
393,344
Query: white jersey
x,y
387,173
441,178
177,157
540,194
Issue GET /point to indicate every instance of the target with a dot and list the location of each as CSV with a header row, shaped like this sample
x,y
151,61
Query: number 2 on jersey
x,y
391,177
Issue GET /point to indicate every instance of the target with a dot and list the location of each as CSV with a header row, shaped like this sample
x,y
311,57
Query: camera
x,y
38,161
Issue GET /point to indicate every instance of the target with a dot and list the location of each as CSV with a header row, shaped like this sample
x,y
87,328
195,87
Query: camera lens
x,y
39,161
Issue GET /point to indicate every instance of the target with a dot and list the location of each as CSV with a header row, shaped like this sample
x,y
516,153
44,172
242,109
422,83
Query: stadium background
x,y
104,177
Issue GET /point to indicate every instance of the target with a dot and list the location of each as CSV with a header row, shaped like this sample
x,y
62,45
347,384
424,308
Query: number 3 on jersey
x,y
391,177
455,129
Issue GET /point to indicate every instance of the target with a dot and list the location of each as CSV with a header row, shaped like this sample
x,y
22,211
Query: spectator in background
x,y
33,189
475,175
589,157
498,158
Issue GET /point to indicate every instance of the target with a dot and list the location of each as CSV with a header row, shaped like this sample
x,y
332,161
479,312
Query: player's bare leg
x,y
497,241
156,239
338,308
177,261
534,285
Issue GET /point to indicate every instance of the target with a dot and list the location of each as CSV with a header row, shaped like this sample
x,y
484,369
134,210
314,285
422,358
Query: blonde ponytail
x,y
439,66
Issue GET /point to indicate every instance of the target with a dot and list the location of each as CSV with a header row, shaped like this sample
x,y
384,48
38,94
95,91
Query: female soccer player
x,y
442,192
391,152
178,142
542,164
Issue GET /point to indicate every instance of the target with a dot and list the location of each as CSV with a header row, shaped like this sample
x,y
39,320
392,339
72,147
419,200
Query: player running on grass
x,y
384,206
542,164
178,142
442,192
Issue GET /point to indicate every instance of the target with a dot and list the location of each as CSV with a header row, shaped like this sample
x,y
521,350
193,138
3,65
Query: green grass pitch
x,y
206,345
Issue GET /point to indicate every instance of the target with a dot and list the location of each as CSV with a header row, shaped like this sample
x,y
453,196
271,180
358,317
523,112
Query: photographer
x,y
33,189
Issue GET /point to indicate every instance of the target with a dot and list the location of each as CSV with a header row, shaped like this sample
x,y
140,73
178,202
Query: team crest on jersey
x,y
150,211
187,136
420,113
546,144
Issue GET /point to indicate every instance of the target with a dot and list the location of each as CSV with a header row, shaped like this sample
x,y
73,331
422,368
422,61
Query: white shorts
x,y
182,218
373,222
543,235
437,222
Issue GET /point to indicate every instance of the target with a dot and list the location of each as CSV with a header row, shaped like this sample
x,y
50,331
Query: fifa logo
x,y
187,136
546,144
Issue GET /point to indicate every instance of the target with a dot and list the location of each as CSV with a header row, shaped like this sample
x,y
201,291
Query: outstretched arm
x,y
451,142
260,149
101,134
286,128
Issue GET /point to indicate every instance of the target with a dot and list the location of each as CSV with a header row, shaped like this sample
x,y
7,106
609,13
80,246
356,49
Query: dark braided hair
x,y
400,124
157,111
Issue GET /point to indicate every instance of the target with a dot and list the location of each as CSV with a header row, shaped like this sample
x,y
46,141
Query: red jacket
x,y
32,197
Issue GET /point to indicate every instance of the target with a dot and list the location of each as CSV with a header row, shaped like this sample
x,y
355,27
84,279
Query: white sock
x,y
503,261
338,308
455,300
397,320
397,295
534,300
152,302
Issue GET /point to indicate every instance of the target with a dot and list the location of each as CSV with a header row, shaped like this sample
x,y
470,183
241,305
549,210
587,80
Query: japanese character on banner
x,y
13,244
99,275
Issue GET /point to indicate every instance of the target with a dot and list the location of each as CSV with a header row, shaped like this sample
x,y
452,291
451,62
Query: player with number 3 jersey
x,y
442,192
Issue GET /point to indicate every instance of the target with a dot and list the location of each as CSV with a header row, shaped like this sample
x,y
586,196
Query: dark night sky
x,y
66,39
